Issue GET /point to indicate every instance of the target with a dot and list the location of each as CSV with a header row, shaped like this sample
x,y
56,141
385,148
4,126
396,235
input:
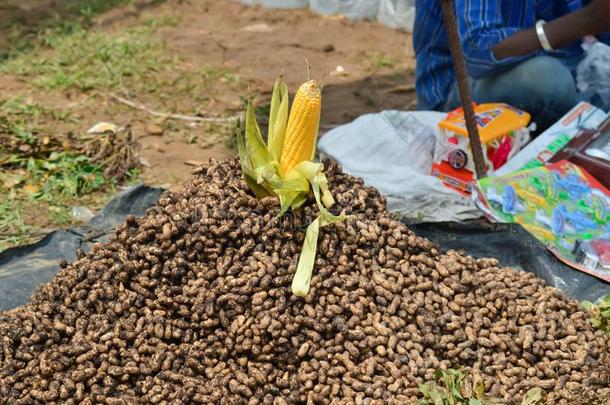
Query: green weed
x,y
59,215
13,231
224,74
89,8
378,60
63,176
453,387
600,313
50,185
162,21
452,390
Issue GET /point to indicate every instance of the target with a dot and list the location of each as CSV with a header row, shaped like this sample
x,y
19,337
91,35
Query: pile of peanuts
x,y
192,304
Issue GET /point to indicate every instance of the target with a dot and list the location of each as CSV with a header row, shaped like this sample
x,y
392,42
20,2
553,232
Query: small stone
x,y
154,129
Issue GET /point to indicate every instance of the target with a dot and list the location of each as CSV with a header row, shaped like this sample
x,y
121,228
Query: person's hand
x,y
598,16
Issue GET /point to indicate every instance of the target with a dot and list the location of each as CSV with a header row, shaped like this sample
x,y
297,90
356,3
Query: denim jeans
x,y
543,86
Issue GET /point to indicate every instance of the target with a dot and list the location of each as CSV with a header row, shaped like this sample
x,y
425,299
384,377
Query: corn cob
x,y
302,129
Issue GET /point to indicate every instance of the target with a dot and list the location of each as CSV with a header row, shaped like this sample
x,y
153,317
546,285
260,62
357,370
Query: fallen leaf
x,y
31,188
103,128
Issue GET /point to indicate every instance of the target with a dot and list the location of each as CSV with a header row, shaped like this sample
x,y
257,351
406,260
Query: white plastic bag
x,y
593,74
285,3
393,151
352,9
277,3
397,14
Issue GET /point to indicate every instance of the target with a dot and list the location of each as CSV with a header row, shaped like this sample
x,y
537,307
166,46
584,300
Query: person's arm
x,y
481,26
593,19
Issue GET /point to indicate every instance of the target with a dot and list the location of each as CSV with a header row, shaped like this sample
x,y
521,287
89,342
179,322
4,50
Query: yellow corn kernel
x,y
302,129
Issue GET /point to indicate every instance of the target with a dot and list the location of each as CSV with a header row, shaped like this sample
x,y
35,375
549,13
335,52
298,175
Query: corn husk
x,y
260,167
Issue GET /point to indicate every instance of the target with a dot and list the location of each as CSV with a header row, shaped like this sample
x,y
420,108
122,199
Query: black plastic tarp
x,y
22,269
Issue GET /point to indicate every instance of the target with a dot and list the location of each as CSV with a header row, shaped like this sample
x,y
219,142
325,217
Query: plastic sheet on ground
x,y
352,9
393,152
399,14
23,268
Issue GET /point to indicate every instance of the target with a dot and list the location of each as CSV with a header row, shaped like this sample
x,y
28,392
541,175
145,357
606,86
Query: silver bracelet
x,y
544,41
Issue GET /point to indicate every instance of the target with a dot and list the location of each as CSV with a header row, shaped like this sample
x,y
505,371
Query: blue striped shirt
x,y
482,24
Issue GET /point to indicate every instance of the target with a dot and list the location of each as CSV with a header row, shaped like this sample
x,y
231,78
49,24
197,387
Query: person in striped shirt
x,y
521,52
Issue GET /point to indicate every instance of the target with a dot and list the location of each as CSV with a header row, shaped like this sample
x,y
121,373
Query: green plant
x,y
62,176
59,215
600,313
224,74
13,230
453,387
89,8
378,60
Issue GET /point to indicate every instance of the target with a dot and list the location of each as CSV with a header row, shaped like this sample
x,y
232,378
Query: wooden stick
x,y
462,80
181,117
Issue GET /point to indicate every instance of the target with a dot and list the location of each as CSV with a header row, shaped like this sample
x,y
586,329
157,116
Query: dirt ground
x,y
364,67
259,44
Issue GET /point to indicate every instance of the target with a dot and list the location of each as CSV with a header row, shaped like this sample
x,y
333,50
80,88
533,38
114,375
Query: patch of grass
x,y
59,215
62,176
162,21
133,176
88,60
13,230
64,18
378,60
45,189
197,84
89,8
224,74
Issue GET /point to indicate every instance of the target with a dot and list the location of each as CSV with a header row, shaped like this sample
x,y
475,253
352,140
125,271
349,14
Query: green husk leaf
x,y
254,145
265,172
246,167
278,118
319,185
302,278
327,197
532,397
259,163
